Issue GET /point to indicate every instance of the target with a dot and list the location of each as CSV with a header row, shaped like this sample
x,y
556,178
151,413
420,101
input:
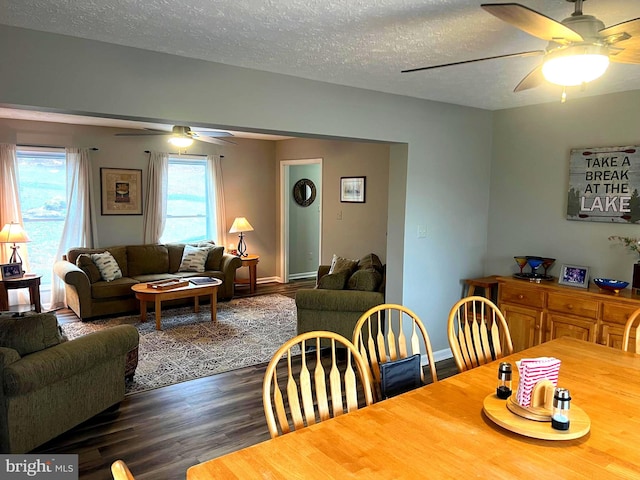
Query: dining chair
x,y
120,471
628,328
389,333
315,386
478,333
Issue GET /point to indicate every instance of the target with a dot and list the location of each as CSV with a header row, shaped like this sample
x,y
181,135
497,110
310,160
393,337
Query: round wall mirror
x,y
304,192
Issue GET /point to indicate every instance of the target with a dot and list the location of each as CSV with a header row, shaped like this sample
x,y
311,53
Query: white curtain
x,y
80,225
155,210
10,211
216,218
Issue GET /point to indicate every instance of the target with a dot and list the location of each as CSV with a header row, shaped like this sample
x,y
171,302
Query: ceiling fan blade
x,y
628,55
532,22
203,132
533,79
509,55
217,141
622,31
141,134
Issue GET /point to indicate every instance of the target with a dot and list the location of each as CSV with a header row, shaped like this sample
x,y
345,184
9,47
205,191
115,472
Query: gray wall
x,y
447,161
530,180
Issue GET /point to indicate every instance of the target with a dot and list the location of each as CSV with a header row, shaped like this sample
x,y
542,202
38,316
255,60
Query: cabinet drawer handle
x,y
537,327
520,297
570,307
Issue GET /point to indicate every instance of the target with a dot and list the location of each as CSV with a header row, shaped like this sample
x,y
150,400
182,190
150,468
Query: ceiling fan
x,y
579,50
182,136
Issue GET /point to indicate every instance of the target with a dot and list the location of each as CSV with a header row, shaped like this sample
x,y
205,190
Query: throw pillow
x,y
84,263
339,264
193,259
366,279
334,281
109,269
214,259
370,260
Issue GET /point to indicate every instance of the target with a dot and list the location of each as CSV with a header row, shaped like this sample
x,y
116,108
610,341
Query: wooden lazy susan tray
x,y
508,414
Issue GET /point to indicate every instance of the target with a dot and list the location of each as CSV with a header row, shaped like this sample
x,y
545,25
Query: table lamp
x,y
14,233
241,225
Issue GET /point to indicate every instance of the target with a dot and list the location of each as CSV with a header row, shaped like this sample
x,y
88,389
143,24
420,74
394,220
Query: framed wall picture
x,y
574,276
121,191
352,189
11,270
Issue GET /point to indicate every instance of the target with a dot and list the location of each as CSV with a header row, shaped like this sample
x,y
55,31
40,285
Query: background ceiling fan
x,y
579,49
183,136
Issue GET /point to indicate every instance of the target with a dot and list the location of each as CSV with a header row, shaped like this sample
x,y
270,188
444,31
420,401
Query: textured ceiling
x,y
361,43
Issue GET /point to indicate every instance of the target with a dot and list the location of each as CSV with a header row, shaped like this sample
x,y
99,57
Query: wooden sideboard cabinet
x,y
538,312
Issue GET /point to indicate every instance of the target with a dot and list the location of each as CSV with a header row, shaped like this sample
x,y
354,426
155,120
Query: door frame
x,y
285,205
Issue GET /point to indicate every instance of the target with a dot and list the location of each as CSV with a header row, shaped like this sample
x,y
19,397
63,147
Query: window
x,y
187,201
42,186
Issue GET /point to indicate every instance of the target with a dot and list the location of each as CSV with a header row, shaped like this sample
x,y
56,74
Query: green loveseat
x,y
49,385
339,299
88,295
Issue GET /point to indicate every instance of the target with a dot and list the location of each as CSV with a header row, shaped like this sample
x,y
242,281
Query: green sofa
x,y
49,385
88,295
339,299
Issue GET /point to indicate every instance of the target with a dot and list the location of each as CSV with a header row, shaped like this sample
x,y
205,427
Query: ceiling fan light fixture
x,y
180,141
575,65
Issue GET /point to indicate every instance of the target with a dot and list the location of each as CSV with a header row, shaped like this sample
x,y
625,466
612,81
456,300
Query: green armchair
x,y
48,385
339,299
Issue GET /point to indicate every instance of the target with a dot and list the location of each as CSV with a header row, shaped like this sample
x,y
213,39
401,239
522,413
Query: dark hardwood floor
x,y
161,433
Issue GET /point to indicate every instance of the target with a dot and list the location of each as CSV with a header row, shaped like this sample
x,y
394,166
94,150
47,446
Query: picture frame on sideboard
x,y
574,276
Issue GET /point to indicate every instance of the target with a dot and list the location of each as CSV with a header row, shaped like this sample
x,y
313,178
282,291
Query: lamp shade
x,y
13,233
241,224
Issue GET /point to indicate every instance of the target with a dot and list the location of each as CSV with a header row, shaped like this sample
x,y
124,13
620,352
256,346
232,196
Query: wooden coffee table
x,y
146,294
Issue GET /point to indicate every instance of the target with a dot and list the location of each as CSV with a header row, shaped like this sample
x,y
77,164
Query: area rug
x,y
248,332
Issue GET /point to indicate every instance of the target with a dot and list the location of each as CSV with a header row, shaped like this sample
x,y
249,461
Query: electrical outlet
x,y
339,215
422,231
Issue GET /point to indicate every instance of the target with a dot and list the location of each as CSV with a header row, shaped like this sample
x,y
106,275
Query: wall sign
x,y
604,185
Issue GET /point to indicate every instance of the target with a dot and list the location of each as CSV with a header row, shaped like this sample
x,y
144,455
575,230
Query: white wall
x,y
530,181
448,156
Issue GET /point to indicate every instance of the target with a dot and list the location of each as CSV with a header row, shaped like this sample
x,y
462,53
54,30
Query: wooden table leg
x,y
196,304
214,305
143,311
34,296
158,312
253,271
4,298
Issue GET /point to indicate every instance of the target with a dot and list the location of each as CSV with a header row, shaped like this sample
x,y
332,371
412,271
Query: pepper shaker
x,y
504,381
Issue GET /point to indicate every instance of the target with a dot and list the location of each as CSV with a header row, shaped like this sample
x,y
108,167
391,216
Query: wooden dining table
x,y
440,431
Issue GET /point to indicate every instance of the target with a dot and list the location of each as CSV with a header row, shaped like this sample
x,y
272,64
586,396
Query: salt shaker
x,y
561,403
504,381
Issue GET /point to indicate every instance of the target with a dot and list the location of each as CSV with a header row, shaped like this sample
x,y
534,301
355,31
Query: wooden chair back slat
x,y
347,389
629,328
478,333
386,323
305,388
120,471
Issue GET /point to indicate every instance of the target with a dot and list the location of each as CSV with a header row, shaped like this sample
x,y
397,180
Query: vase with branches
x,y
632,244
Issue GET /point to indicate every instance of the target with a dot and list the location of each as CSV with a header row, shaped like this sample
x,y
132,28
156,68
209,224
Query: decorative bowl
x,y
610,284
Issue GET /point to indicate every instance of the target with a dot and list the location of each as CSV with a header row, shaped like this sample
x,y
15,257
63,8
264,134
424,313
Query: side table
x,y
250,261
32,282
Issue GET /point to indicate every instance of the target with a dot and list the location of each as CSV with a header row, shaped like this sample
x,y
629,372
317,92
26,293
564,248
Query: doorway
x,y
301,226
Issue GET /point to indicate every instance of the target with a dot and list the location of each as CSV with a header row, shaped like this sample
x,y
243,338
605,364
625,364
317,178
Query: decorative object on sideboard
x,y
574,276
14,233
610,285
632,244
241,225
534,263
